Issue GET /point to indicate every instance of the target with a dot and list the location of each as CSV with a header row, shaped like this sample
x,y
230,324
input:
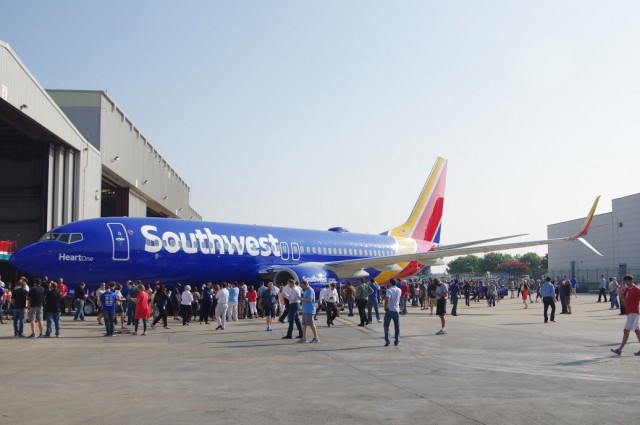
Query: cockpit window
x,y
62,237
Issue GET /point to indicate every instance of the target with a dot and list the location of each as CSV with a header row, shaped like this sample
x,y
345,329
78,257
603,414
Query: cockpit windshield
x,y
62,237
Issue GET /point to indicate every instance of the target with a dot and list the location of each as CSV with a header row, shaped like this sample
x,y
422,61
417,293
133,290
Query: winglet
x,y
589,246
587,222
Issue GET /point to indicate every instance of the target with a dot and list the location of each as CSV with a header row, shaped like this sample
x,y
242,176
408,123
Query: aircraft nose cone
x,y
24,261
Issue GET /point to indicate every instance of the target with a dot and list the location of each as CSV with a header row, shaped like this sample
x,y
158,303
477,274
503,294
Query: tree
x,y
513,267
537,264
491,260
465,264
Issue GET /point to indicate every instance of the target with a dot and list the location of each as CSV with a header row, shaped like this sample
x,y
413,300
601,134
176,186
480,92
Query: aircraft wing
x,y
350,267
463,244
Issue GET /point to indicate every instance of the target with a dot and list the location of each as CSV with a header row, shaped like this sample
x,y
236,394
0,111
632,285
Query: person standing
x,y
442,290
602,289
467,293
79,298
36,301
206,298
293,316
222,305
252,299
565,296
321,302
101,290
492,293
374,301
362,295
574,287
349,297
392,312
142,311
3,294
613,293
525,294
185,305
233,302
108,301
268,302
53,301
633,313
404,297
19,302
548,292
64,289
330,300
242,300
161,300
130,293
308,310
454,290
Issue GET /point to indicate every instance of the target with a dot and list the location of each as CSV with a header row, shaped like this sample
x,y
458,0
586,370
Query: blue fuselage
x,y
194,252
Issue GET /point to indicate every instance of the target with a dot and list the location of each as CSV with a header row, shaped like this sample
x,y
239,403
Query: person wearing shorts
x,y
308,310
441,292
268,302
633,313
34,313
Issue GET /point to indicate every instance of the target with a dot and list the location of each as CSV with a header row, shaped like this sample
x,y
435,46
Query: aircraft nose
x,y
25,260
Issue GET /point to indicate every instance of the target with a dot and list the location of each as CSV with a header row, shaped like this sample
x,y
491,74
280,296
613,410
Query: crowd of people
x,y
138,303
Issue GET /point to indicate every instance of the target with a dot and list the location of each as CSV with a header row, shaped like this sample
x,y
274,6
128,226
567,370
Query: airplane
x,y
194,252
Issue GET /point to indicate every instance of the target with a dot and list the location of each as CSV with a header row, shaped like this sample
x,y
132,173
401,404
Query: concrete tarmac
x,y
499,365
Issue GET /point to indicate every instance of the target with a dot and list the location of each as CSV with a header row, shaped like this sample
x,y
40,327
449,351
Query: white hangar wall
x,y
616,235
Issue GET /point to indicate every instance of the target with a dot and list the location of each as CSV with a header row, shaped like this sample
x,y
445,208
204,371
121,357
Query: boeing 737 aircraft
x,y
181,251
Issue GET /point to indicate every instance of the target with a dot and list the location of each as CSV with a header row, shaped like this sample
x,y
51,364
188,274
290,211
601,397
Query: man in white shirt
x,y
321,302
602,289
392,312
613,293
330,300
293,295
223,305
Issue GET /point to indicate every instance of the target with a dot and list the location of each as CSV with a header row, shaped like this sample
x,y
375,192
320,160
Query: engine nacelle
x,y
316,276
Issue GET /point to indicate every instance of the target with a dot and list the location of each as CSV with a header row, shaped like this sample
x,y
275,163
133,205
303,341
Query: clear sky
x,y
331,113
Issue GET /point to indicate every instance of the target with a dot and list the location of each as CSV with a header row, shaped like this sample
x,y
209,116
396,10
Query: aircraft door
x,y
295,251
284,250
120,240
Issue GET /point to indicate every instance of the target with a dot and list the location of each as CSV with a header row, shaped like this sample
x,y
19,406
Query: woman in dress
x,y
143,311
525,294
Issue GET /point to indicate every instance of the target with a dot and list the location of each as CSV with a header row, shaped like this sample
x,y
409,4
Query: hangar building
x,y
68,155
616,235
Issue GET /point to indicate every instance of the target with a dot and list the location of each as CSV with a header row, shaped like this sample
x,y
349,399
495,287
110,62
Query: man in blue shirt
x,y
108,304
234,291
574,286
548,292
308,310
374,301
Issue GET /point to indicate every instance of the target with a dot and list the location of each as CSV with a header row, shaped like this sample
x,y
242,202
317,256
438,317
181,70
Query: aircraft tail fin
x,y
426,218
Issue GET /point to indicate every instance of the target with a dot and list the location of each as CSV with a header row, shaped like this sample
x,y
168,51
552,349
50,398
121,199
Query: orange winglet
x,y
587,222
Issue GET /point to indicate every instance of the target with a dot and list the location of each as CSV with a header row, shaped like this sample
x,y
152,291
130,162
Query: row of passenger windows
x,y
295,248
347,251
